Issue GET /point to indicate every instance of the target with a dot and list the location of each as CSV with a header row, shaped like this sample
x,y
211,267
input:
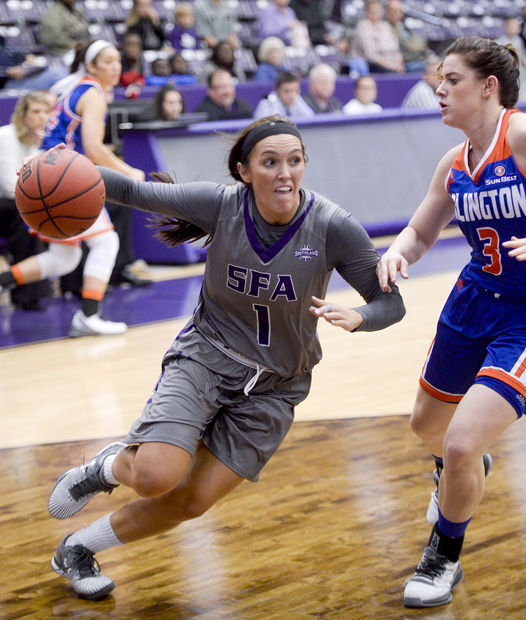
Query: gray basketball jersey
x,y
256,299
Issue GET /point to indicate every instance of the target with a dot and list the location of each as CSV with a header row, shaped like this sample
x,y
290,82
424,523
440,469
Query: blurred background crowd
x,y
296,50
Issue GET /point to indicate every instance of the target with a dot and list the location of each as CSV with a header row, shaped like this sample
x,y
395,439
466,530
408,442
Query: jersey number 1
x,y
491,249
263,324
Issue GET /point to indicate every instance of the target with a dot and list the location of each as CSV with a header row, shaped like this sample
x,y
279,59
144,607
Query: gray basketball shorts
x,y
199,397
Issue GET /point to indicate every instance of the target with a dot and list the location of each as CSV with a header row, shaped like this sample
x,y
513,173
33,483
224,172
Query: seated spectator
x,y
363,102
223,57
414,48
21,71
271,56
132,73
160,72
285,99
183,35
512,34
277,20
215,20
375,41
309,12
423,94
180,71
221,102
145,21
322,84
63,27
167,105
18,140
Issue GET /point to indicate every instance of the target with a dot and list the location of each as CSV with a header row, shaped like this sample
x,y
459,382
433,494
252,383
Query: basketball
x,y
59,193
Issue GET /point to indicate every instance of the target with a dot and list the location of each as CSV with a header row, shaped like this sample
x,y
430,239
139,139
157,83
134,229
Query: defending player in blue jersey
x,y
473,384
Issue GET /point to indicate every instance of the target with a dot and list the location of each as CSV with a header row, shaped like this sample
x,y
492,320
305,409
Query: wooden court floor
x,y
332,529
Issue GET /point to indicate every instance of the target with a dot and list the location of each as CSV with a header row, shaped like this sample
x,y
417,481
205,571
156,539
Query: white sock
x,y
97,536
107,469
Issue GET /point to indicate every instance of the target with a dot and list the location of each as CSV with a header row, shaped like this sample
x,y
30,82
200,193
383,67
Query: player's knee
x,y
59,260
419,421
154,481
458,451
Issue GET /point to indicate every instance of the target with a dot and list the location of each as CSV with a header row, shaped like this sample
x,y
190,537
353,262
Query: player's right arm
x,y
92,108
434,213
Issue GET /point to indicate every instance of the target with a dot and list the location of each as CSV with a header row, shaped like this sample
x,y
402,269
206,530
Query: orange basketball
x,y
59,193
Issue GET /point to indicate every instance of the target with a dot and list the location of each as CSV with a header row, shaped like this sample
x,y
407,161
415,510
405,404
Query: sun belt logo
x,y
306,253
500,170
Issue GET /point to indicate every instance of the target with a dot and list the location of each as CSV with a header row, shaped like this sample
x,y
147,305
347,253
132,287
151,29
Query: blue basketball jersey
x,y
64,124
490,207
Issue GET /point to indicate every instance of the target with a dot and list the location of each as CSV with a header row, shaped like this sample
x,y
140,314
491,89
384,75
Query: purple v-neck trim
x,y
264,253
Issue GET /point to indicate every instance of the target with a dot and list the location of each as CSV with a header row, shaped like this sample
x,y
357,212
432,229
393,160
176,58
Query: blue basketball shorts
x,y
480,338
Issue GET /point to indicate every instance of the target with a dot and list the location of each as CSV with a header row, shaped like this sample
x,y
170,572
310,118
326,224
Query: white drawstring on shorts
x,y
254,379
241,359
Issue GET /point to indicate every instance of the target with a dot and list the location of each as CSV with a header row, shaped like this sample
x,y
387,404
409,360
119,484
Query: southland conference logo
x,y
306,253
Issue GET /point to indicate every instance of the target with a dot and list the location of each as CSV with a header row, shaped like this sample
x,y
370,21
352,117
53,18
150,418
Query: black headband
x,y
270,128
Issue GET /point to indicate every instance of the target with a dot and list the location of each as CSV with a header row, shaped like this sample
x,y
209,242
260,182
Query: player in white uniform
x,y
231,378
78,121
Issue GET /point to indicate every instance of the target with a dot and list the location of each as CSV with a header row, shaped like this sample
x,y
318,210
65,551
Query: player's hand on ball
x,y
339,316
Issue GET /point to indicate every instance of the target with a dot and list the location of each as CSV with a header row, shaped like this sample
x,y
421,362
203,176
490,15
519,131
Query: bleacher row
x,y
437,21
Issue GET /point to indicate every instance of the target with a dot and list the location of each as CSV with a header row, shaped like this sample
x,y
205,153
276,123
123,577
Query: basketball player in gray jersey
x,y
231,379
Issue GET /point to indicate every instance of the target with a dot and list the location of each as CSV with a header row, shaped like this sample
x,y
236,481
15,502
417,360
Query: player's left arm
x,y
516,136
351,252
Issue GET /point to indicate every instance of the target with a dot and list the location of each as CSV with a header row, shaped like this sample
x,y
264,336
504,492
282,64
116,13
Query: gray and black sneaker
x,y
74,489
78,564
432,509
434,579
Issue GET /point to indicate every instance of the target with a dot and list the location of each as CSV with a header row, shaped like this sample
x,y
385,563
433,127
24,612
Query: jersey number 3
x,y
491,249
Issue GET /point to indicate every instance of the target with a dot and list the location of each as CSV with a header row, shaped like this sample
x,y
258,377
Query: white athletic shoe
x,y
94,325
432,509
78,564
75,487
434,579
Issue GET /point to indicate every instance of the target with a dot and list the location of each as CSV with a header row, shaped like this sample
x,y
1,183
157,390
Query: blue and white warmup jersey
x,y
64,124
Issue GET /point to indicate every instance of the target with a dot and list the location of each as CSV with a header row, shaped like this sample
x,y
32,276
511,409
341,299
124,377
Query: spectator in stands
x,y
375,41
277,19
159,73
271,56
22,71
309,12
423,94
145,21
215,20
285,99
19,140
132,75
184,35
223,57
169,103
363,102
221,102
414,48
180,71
512,34
322,84
63,27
